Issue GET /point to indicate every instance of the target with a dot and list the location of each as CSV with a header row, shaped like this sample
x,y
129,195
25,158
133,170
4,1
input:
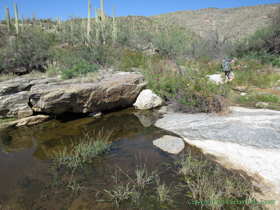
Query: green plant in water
x,y
84,150
209,182
163,191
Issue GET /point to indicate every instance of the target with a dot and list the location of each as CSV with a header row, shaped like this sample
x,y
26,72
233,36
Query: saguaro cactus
x,y
16,16
89,15
33,18
13,44
8,19
21,22
102,11
114,25
97,24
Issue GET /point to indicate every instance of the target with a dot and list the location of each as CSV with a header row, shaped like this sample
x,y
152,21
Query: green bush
x,y
33,50
254,73
190,93
130,59
80,69
84,68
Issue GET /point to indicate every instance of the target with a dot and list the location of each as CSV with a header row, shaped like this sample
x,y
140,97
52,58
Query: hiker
x,y
227,66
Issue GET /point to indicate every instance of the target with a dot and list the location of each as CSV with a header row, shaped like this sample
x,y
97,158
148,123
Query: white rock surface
x,y
247,139
147,100
170,144
217,78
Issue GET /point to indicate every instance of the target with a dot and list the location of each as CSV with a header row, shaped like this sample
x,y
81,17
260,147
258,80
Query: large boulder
x,y
116,91
147,100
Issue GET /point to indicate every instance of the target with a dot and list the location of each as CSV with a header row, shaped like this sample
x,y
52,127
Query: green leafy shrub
x,y
80,69
130,59
84,68
191,92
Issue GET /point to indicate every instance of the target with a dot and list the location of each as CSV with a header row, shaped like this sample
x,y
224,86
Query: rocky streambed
x,y
245,139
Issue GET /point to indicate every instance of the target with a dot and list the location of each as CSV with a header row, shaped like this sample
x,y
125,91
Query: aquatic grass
x,y
162,191
121,191
84,150
129,190
143,177
205,181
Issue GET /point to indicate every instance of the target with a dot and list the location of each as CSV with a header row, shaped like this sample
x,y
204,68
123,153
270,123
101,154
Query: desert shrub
x,y
171,44
31,51
190,93
130,59
254,73
80,69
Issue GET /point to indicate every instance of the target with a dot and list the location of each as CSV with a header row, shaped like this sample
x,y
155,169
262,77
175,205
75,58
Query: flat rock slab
x,y
247,139
170,144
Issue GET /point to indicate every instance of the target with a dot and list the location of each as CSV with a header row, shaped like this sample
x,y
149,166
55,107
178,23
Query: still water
x,y
28,179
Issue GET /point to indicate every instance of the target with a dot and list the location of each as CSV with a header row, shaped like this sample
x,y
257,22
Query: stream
x,y
28,179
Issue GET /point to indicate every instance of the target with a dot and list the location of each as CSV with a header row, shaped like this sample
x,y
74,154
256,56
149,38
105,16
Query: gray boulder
x,y
170,144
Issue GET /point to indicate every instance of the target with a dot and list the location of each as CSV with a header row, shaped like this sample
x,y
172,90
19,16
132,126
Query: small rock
x,y
243,94
240,88
170,144
261,105
277,88
95,114
217,78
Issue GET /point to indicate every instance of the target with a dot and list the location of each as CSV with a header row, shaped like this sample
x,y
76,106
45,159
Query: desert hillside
x,y
243,20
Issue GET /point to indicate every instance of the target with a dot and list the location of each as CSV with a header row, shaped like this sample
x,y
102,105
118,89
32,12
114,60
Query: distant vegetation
x,y
174,60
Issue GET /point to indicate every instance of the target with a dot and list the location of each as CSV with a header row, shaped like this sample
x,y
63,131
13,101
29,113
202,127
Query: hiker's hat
x,y
234,58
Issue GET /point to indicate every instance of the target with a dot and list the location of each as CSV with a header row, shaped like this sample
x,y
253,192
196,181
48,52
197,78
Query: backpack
x,y
225,65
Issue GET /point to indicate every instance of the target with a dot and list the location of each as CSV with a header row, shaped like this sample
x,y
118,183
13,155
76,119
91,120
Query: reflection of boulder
x,y
50,137
20,139
147,100
147,117
27,121
170,144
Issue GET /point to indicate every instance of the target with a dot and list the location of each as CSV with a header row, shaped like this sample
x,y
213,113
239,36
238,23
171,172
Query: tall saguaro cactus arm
x,y
8,18
89,15
16,17
21,22
102,11
114,25
97,24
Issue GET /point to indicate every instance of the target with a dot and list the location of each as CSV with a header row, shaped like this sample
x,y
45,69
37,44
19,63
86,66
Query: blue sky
x,y
64,9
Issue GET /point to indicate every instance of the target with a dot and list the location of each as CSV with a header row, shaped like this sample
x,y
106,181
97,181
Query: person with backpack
x,y
227,66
